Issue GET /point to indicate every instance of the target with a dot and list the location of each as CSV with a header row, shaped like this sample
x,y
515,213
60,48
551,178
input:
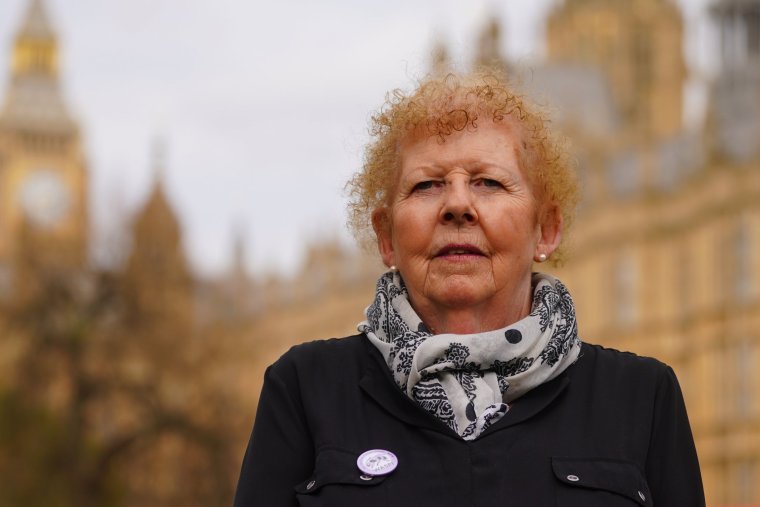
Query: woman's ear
x,y
381,223
550,227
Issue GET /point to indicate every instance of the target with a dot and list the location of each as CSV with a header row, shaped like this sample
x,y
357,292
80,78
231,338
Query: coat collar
x,y
377,382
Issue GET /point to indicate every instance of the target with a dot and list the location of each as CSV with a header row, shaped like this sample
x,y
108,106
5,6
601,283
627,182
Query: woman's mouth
x,y
459,250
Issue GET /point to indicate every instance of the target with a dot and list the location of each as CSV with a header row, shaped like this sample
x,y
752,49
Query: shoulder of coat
x,y
609,357
326,351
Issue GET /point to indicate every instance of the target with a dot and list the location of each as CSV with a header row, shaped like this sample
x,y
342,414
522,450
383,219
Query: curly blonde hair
x,y
440,106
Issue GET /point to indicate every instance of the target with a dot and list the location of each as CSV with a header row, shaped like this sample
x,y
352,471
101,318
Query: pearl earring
x,y
542,257
393,268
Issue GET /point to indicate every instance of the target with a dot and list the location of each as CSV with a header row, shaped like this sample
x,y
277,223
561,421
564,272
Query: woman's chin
x,y
460,291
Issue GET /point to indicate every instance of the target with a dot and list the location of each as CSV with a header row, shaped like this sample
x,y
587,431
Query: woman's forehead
x,y
483,138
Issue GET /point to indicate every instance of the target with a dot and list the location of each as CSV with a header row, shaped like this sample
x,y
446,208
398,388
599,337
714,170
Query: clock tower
x,y
43,175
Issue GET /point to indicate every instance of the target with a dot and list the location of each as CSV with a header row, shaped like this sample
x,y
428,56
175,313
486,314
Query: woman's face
x,y
463,226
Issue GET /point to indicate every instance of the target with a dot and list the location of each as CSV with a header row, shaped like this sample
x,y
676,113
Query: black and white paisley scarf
x,y
467,381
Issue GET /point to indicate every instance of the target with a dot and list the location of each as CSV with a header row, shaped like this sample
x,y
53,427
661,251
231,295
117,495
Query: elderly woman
x,y
468,383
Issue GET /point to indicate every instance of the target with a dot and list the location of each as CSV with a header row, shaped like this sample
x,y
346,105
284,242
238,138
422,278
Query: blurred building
x,y
110,390
43,171
637,47
157,278
665,254
141,377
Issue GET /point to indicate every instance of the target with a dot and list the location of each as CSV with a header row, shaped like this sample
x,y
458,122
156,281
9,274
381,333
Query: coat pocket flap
x,y
620,477
336,466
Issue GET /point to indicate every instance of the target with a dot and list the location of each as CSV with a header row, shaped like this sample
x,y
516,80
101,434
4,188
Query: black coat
x,y
611,431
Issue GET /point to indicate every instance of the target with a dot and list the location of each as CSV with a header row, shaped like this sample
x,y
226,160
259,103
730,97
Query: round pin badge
x,y
377,462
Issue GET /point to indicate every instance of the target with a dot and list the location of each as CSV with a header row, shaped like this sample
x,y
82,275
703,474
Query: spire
x,y
157,207
36,49
156,230
239,253
36,24
440,63
157,274
489,53
34,100
158,155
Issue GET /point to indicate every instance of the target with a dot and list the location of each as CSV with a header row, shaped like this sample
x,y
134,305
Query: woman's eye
x,y
424,185
486,182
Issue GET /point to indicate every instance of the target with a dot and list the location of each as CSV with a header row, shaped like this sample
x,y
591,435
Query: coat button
x,y
643,498
311,484
573,478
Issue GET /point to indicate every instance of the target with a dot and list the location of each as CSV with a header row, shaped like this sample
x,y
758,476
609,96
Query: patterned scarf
x,y
467,381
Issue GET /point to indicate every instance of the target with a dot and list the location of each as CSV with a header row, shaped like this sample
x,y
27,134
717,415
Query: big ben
x,y
43,175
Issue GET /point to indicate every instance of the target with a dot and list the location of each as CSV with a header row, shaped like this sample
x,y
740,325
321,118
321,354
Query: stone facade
x,y
665,254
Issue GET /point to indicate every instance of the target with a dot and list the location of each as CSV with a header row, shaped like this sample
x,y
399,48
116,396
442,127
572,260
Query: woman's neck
x,y
470,320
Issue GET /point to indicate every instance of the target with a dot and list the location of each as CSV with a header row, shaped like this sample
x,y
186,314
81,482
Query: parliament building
x,y
665,254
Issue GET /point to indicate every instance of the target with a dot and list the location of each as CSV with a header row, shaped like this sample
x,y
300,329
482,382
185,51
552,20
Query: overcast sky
x,y
263,106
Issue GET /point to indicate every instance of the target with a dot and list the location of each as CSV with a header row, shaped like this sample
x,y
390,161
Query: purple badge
x,y
377,462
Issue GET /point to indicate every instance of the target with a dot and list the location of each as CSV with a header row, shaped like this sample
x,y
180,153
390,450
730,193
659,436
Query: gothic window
x,y
739,39
624,279
39,59
668,175
746,472
723,364
737,113
5,280
678,158
684,280
586,48
743,368
643,58
623,174
753,34
584,181
741,263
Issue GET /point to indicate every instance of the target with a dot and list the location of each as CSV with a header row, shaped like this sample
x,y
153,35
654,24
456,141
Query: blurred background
x,y
172,208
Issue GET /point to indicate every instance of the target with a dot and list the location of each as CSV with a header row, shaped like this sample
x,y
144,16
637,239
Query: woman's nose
x,y
458,207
